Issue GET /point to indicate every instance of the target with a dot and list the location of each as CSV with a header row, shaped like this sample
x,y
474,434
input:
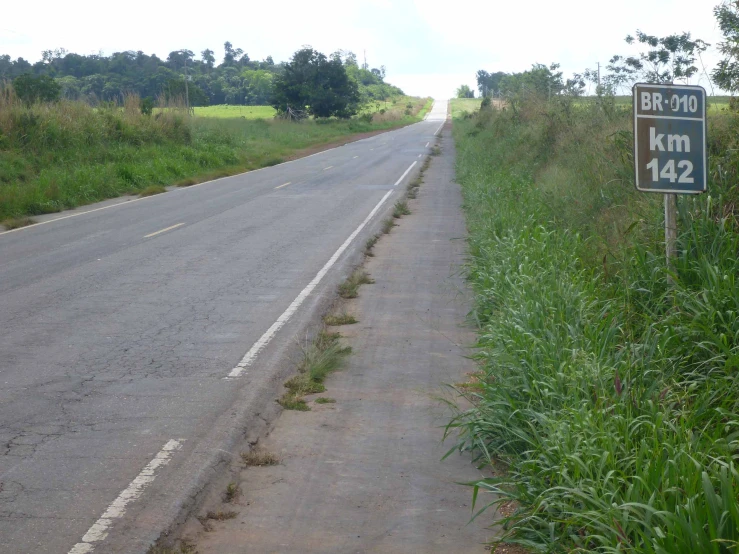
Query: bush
x,y
36,88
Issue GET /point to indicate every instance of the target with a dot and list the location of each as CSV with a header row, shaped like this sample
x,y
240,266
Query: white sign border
x,y
705,141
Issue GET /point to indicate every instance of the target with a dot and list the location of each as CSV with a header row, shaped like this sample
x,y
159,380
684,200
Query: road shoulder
x,y
364,474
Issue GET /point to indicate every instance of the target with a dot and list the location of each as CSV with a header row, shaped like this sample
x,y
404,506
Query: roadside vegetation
x,y
607,400
59,155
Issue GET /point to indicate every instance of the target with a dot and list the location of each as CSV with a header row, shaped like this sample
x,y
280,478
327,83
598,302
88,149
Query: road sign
x,y
670,138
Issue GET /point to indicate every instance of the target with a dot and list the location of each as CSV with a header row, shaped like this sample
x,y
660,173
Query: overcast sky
x,y
429,48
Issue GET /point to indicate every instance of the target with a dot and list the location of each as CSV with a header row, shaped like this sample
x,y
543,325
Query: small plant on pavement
x,y
350,287
334,320
256,458
401,209
323,356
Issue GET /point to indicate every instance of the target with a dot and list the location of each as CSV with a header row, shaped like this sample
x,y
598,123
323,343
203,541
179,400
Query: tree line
x,y
669,59
236,80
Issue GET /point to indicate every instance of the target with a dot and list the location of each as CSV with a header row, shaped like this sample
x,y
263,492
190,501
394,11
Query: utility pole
x,y
598,78
365,60
187,92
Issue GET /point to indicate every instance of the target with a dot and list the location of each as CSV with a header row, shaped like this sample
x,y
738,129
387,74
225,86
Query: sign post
x,y
670,146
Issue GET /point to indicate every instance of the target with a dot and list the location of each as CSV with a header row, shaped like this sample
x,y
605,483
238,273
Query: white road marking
x,y
427,144
270,333
420,155
135,489
184,189
327,168
407,171
163,230
439,129
288,183
355,157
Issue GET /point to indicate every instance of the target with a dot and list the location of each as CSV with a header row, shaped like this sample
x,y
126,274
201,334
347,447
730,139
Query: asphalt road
x,y
119,328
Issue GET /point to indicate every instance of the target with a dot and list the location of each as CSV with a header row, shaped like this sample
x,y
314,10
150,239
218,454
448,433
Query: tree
x,y
208,59
668,59
465,92
317,84
36,88
726,73
488,83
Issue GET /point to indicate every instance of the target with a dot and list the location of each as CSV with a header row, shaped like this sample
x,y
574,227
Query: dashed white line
x,y
163,230
420,155
427,144
270,333
407,171
135,489
355,157
327,168
288,183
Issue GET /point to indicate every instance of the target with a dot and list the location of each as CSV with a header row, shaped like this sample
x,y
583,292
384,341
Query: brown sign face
x,y
670,138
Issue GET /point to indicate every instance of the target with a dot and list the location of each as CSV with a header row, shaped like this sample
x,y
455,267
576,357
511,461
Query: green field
x,y
607,402
226,111
58,156
461,105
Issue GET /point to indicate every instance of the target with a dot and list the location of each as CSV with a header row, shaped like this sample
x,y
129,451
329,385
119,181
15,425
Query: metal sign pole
x,y
670,227
670,154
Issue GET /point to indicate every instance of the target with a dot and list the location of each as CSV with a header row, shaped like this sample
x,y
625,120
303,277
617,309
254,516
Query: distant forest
x,y
236,80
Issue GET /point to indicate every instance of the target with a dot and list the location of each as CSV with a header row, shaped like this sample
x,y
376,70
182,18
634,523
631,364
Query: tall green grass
x,y
61,155
608,389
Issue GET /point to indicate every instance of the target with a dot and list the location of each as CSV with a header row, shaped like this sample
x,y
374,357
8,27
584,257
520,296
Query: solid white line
x,y
135,489
439,129
264,340
407,171
288,183
163,230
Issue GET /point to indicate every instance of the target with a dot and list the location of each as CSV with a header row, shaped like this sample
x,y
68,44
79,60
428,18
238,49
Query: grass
x,y
608,386
233,491
16,222
256,458
325,400
59,156
400,209
238,112
320,358
370,245
460,106
151,190
184,547
335,320
220,515
350,287
387,225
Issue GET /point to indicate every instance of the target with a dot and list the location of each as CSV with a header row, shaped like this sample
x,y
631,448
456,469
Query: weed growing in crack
x,y
255,458
334,320
401,209
350,287
387,225
322,357
232,492
370,244
325,400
